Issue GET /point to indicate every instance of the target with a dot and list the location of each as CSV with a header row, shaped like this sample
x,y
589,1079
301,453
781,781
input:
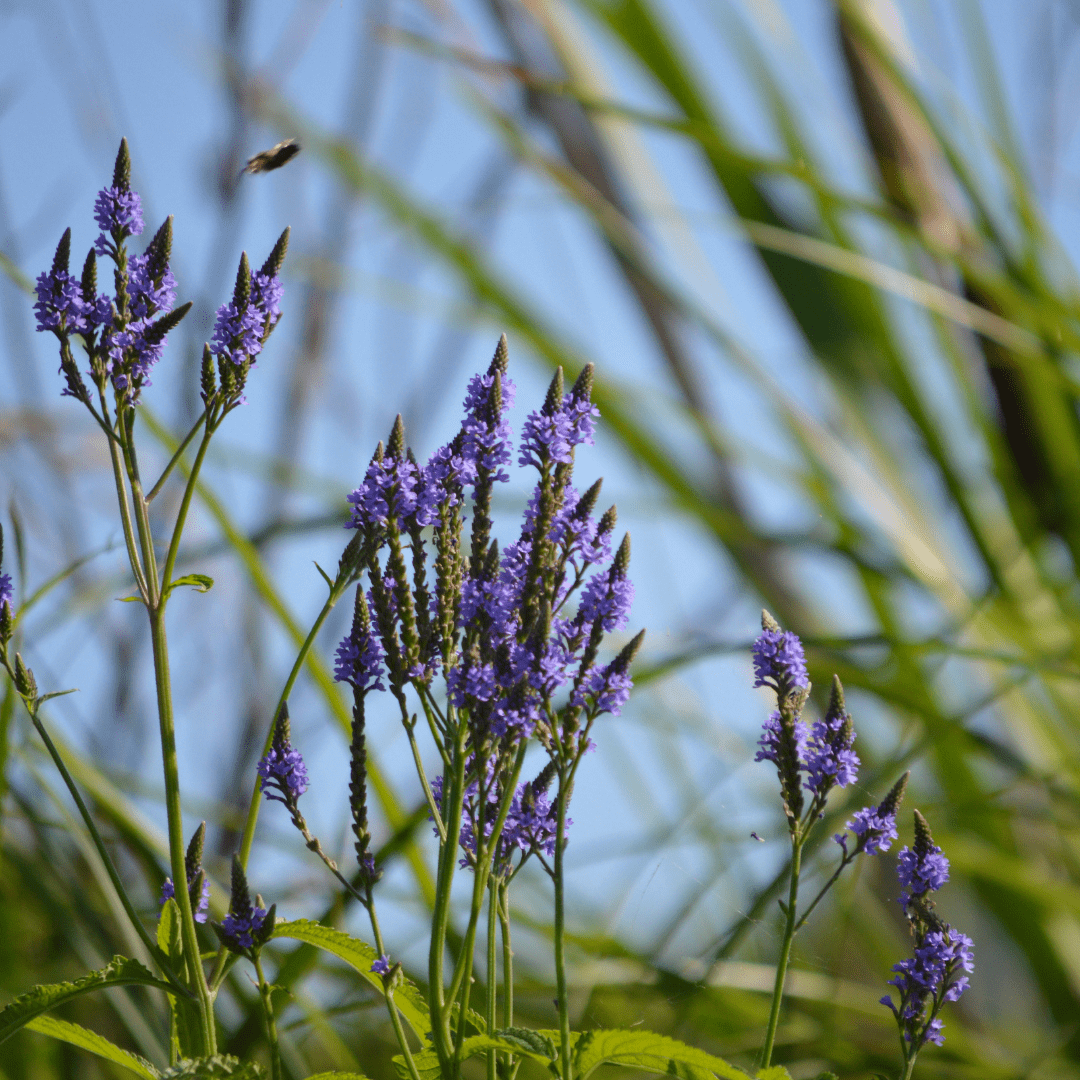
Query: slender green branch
x,y
185,506
785,952
152,494
845,861
125,520
395,1018
560,925
433,806
271,1025
255,802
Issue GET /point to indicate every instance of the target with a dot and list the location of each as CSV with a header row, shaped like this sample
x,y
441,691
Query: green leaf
x,y
777,1072
360,956
530,1041
427,1061
95,1043
338,1076
120,972
653,1053
219,1067
201,582
185,1033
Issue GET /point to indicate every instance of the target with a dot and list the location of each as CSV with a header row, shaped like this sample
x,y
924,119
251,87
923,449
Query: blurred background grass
x,y
823,257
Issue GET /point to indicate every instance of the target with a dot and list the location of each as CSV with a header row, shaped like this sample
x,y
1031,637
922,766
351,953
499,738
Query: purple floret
x,y
147,297
607,597
359,660
381,966
6,591
779,661
830,761
548,439
117,209
239,333
921,872
485,443
240,928
878,829
168,892
771,735
60,305
282,769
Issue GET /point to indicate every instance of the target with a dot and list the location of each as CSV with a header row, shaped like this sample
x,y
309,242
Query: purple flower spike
x,y
779,661
943,956
381,966
6,591
282,768
247,926
830,761
60,305
359,659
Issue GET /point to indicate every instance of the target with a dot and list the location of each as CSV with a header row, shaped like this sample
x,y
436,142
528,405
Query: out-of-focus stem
x,y
271,1025
785,952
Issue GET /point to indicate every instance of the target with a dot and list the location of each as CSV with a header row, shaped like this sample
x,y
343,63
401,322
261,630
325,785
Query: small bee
x,y
273,158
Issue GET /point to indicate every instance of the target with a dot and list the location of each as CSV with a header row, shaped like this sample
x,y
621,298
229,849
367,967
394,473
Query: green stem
x,y
395,1018
433,806
785,953
507,956
156,612
125,521
271,1025
560,926
174,815
909,1066
452,803
492,962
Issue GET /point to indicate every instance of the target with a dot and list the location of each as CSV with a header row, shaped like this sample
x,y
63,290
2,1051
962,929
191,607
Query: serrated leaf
x,y
85,1039
120,972
530,1040
200,582
653,1053
360,956
775,1072
219,1067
